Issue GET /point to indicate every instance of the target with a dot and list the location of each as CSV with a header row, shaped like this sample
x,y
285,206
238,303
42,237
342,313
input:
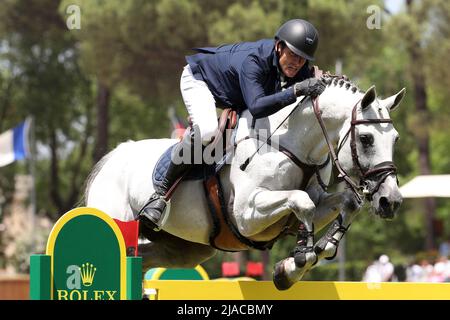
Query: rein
x,y
246,162
380,171
353,185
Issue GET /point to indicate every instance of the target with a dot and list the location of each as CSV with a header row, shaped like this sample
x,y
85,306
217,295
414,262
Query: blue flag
x,y
14,144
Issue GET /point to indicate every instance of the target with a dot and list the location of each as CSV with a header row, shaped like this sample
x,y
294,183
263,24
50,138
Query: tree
x,y
421,30
41,60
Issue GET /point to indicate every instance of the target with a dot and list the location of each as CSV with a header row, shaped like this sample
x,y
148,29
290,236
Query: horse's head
x,y
368,150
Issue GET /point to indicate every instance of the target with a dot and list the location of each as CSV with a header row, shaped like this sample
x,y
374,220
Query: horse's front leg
x,y
265,208
343,208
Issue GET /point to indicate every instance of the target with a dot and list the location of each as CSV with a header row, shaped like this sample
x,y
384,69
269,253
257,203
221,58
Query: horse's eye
x,y
397,138
366,139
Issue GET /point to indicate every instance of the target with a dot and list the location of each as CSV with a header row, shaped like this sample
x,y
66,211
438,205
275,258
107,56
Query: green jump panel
x,y
197,273
40,277
88,260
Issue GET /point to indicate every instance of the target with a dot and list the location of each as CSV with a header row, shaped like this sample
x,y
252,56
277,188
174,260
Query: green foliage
x,y
140,43
244,23
343,33
40,63
136,119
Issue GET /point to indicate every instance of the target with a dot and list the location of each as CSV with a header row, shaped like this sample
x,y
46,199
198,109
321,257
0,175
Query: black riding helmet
x,y
300,37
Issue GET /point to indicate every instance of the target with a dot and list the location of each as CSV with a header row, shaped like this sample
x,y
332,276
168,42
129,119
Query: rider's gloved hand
x,y
309,87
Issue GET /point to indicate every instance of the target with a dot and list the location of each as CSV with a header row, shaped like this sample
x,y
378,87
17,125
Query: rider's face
x,y
290,63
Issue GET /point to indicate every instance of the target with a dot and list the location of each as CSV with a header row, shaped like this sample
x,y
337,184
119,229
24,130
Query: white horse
x,y
264,195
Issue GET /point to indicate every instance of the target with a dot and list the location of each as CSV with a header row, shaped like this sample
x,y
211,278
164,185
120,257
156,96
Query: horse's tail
x,y
87,185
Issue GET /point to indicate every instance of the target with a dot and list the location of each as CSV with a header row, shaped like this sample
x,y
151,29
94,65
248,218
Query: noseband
x,y
370,179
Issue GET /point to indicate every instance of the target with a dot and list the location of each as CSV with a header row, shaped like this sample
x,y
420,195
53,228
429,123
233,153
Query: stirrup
x,y
164,214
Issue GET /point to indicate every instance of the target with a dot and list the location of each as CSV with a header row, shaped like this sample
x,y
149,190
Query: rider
x,y
248,75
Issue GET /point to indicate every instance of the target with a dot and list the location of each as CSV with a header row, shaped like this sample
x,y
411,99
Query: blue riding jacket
x,y
246,76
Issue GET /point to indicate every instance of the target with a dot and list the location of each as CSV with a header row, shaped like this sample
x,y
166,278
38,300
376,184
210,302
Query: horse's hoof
x,y
280,280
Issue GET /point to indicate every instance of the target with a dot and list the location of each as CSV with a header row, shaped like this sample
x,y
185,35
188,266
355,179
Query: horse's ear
x,y
369,97
392,102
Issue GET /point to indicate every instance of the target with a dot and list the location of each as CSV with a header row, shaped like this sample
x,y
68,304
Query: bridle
x,y
378,173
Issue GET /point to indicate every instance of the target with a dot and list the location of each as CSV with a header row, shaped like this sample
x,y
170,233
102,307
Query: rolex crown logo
x,y
87,271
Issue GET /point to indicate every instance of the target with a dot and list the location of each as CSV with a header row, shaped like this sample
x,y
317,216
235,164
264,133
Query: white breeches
x,y
200,104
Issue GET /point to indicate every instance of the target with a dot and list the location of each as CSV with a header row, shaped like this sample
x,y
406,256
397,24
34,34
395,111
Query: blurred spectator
x,y
444,249
437,274
400,273
420,272
372,273
379,271
441,271
434,269
386,268
427,270
414,273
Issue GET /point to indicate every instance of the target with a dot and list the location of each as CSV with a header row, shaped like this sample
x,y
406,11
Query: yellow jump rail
x,y
306,290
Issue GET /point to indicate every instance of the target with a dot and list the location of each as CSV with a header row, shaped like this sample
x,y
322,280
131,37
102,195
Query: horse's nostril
x,y
384,203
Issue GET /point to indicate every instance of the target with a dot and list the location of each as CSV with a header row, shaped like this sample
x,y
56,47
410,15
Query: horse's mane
x,y
336,81
340,81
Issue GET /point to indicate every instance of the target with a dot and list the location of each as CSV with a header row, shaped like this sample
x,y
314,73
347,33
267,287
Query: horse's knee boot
x,y
302,255
329,240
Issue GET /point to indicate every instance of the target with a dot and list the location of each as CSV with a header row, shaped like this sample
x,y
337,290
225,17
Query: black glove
x,y
309,87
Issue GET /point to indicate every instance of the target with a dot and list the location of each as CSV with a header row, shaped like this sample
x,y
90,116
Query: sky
x,y
394,6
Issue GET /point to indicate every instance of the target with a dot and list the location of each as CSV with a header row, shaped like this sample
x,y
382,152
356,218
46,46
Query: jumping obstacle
x,y
304,290
91,256
197,273
86,259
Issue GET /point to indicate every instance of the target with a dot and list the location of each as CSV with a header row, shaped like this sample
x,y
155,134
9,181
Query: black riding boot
x,y
152,213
